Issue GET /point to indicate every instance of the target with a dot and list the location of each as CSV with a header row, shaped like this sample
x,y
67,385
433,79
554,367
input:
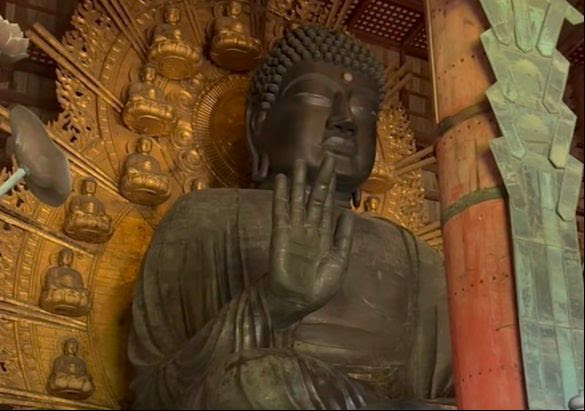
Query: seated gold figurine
x,y
63,291
69,377
174,57
147,111
143,181
86,218
232,45
372,205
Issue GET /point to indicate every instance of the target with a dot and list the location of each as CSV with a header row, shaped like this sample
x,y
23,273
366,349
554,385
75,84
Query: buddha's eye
x,y
362,105
314,99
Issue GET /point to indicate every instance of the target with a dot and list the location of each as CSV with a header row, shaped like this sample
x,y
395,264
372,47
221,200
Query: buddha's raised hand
x,y
309,249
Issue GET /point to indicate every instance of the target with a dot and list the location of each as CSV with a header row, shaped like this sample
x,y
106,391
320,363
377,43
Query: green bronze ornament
x,y
543,182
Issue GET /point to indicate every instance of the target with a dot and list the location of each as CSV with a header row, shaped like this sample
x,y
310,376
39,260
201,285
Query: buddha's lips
x,y
340,145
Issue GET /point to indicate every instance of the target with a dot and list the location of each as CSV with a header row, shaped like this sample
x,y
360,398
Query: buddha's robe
x,y
202,336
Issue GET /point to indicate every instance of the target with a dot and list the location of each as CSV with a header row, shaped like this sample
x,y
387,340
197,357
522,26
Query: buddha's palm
x,y
309,251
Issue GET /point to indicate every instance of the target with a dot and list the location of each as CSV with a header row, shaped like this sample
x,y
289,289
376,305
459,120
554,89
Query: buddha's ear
x,y
255,118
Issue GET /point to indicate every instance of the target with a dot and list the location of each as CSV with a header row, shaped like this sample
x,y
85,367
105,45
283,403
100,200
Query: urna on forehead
x,y
310,44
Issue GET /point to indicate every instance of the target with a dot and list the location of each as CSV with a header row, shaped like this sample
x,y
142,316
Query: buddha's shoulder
x,y
388,231
214,202
211,210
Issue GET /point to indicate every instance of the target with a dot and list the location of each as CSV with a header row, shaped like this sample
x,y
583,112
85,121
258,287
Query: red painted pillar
x,y
476,238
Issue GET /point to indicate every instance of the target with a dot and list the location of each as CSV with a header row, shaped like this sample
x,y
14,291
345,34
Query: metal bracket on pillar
x,y
542,181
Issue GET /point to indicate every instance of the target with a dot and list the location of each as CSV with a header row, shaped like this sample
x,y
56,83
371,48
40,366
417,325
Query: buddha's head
x,y
172,14
318,93
70,347
234,8
88,186
144,145
148,73
65,257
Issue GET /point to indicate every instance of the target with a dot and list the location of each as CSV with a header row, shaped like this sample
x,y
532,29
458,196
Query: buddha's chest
x,y
368,321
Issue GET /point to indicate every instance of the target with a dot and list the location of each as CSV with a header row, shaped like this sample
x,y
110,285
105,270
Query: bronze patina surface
x,y
285,299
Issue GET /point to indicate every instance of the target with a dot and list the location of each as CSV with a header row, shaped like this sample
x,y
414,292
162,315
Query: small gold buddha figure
x,y
232,46
372,205
63,291
147,111
69,377
197,185
175,58
86,218
143,181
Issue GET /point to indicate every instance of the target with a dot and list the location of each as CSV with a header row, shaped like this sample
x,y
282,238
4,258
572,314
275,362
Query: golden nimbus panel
x,y
219,126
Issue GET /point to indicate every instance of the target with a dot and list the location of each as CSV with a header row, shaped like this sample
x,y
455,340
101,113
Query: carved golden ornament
x,y
382,177
175,59
70,378
149,117
63,290
143,181
86,218
232,46
395,141
147,110
402,194
220,133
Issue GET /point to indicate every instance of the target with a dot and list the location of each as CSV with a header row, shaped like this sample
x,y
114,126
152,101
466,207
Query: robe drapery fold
x,y
200,321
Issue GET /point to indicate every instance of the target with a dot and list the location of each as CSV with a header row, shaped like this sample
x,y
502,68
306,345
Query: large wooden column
x,y
476,233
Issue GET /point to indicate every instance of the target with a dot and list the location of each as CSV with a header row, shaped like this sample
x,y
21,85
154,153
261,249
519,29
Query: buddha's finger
x,y
280,205
326,228
297,197
343,237
320,190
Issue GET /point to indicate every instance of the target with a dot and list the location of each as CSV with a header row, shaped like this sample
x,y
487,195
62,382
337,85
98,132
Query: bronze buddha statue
x,y
63,291
86,218
143,181
232,46
147,111
69,377
273,298
174,57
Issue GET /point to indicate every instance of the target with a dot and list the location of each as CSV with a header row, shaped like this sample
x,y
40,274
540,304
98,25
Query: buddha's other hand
x,y
309,251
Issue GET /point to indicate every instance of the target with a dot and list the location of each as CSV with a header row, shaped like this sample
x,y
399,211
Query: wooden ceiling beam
x,y
31,66
376,40
357,13
571,38
11,96
415,5
415,52
420,25
28,4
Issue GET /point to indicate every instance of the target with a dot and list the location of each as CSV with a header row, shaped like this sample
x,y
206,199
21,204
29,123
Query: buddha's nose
x,y
341,120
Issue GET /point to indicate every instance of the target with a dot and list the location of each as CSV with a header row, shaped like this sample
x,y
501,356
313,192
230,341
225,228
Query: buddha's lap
x,y
270,375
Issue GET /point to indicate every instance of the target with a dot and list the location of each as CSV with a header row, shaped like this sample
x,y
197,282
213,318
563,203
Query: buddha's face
x,y
144,145
70,347
320,109
234,8
66,257
88,186
172,15
148,74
